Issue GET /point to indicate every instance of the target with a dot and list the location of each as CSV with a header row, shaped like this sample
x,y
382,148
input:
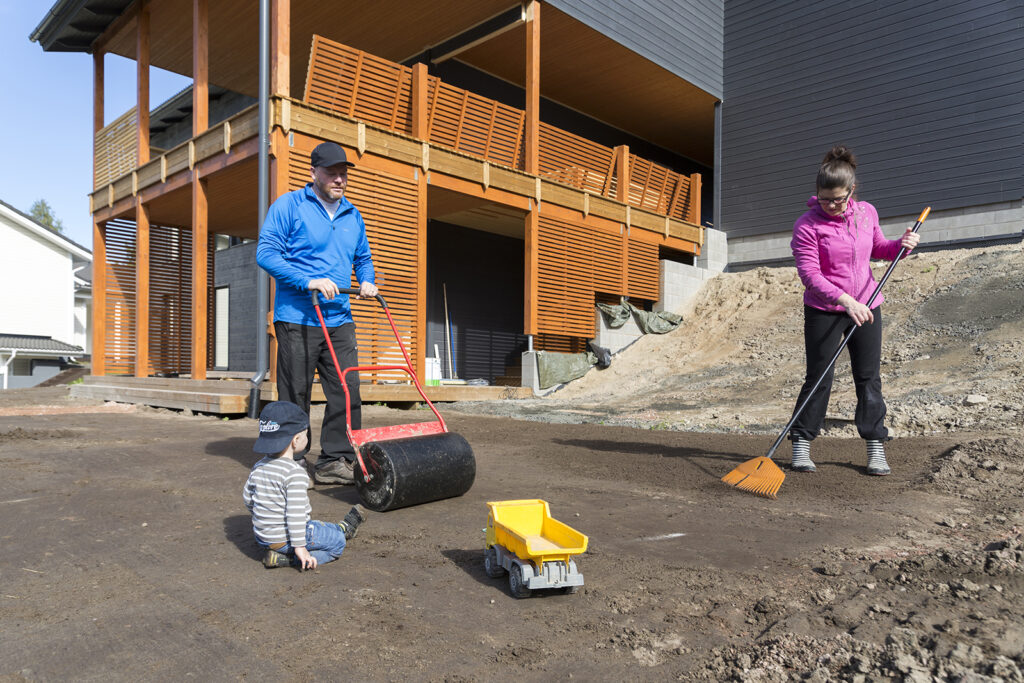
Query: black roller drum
x,y
415,470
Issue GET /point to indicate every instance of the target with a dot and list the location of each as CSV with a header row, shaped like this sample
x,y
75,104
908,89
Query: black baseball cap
x,y
280,421
329,154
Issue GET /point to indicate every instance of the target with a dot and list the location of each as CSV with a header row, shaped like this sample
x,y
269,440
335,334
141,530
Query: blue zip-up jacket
x,y
299,243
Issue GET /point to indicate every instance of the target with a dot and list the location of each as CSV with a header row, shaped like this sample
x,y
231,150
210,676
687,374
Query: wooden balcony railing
x,y
365,87
114,149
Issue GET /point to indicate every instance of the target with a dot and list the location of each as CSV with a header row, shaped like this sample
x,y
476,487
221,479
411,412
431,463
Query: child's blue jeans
x,y
324,540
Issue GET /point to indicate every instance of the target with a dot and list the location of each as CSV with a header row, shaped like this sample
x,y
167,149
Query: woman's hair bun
x,y
840,153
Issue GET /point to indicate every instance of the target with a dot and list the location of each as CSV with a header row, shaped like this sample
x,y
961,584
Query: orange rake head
x,y
760,476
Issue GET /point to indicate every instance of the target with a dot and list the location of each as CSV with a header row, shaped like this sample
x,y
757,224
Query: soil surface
x,y
130,554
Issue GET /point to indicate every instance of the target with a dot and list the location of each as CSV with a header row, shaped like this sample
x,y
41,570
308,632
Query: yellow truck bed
x,y
527,529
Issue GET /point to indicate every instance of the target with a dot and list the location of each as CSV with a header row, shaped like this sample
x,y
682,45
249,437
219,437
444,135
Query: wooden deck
x,y
229,395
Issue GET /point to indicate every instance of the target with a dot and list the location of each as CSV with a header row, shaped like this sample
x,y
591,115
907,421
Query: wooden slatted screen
x,y
365,87
659,189
119,314
644,270
474,125
114,149
390,208
170,299
359,85
575,262
559,343
574,160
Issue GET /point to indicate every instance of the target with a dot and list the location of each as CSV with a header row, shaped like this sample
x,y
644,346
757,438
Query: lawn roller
x,y
403,465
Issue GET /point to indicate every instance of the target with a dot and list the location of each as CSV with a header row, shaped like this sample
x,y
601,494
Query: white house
x,y
45,300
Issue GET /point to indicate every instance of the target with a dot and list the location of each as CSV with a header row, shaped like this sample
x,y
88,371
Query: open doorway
x,y
475,257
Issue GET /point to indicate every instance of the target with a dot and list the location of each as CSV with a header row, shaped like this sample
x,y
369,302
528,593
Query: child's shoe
x,y
275,559
350,525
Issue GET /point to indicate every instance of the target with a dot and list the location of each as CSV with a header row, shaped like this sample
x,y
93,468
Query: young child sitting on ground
x,y
275,494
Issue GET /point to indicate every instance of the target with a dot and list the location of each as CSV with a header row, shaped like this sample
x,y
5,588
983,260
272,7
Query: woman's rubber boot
x,y
350,525
801,455
877,464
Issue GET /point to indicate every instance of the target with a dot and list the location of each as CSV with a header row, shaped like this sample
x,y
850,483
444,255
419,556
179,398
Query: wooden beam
x,y
200,233
142,86
693,215
420,90
622,173
280,47
142,362
532,142
129,15
200,66
99,297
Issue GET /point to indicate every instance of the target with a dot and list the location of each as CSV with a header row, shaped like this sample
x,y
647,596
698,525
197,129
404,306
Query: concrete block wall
x,y
679,282
975,223
990,221
615,340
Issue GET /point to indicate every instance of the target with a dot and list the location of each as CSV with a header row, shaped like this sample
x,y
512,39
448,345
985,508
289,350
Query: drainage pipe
x,y
262,180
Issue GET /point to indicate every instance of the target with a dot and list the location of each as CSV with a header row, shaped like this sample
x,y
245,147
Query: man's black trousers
x,y
823,333
300,350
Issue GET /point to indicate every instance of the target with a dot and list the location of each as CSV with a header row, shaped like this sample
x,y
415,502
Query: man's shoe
x,y
350,525
337,472
275,559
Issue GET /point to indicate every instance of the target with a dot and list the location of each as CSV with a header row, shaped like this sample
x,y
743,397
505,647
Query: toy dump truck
x,y
535,549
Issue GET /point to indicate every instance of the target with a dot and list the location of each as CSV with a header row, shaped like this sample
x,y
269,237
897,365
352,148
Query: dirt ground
x,y
130,554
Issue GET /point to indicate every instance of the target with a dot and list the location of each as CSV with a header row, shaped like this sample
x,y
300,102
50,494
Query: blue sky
x,y
46,117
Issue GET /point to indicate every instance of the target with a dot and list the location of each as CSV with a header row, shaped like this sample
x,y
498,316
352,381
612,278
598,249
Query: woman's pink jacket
x,y
833,253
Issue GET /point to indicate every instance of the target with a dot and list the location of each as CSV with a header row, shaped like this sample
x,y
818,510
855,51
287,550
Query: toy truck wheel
x,y
569,590
516,583
491,565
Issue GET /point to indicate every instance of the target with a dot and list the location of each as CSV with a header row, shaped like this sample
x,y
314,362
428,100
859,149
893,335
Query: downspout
x,y
262,180
14,352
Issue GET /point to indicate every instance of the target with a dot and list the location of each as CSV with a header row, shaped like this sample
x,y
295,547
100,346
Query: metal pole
x,y
262,181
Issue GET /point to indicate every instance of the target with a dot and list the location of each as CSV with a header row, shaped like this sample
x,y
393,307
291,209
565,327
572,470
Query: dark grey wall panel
x,y
683,36
930,96
236,269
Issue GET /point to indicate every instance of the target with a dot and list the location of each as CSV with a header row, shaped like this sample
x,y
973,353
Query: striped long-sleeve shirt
x,y
275,494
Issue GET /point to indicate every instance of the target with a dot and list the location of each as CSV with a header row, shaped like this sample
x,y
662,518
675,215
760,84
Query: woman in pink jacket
x,y
833,244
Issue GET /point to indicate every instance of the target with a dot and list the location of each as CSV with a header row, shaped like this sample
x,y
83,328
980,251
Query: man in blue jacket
x,y
311,240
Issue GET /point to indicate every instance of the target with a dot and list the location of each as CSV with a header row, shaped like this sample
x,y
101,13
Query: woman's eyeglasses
x,y
834,200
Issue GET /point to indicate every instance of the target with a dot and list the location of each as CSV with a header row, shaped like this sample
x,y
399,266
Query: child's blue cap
x,y
280,421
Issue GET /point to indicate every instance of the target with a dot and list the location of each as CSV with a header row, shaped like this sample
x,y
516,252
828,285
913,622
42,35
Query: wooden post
x,y
200,67
280,48
420,94
200,230
532,141
622,173
693,210
531,278
142,362
97,104
419,345
142,86
99,299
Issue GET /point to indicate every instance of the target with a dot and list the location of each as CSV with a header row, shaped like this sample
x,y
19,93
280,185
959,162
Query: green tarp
x,y
649,322
559,368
